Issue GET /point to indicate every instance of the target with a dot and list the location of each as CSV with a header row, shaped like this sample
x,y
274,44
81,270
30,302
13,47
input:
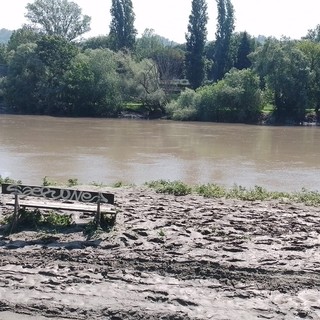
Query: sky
x,y
169,18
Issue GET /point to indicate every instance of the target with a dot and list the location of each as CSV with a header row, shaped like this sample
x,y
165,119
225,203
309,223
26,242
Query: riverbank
x,y
170,257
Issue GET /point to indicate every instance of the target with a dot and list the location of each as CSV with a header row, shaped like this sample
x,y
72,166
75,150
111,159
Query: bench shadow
x,y
53,237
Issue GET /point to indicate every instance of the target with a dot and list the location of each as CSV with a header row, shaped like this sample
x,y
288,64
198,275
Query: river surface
x,y
136,151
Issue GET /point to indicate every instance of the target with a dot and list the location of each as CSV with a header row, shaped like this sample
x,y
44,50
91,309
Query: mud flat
x,y
169,257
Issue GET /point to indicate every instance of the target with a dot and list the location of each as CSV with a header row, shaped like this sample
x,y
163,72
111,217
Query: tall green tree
x,y
225,26
122,30
196,39
244,49
58,18
284,69
312,51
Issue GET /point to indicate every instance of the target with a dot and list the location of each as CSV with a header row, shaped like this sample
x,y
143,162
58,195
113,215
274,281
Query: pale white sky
x,y
169,18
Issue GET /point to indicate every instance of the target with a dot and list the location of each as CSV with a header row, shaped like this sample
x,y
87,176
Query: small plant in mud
x,y
47,182
121,184
36,220
161,233
311,198
118,184
72,182
176,188
9,180
211,190
107,222
56,220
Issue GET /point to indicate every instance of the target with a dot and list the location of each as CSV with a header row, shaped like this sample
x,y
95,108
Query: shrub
x,y
176,188
185,107
211,190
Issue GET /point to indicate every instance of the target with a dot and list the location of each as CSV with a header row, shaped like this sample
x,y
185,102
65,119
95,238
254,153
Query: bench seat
x,y
70,206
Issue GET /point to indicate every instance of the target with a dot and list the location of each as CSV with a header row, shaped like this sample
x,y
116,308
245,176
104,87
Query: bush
x,y
176,188
185,107
211,190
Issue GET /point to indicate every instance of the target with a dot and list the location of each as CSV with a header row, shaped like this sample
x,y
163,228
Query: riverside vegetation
x,y
235,78
210,190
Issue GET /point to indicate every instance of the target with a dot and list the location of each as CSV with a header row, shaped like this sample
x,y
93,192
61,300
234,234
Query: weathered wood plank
x,y
61,206
58,194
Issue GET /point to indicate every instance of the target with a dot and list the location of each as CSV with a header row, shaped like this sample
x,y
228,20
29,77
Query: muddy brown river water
x,y
136,151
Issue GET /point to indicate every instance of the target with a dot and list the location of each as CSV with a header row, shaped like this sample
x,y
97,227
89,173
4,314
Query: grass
x,y
176,188
210,190
256,193
34,219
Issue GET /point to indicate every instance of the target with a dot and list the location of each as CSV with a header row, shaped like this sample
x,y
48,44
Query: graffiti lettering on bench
x,y
58,194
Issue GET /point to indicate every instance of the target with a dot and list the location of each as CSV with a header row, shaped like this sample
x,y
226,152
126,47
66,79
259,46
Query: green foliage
x,y
56,220
257,193
92,230
211,190
225,27
168,57
93,85
313,34
58,18
185,107
36,220
122,32
176,188
236,98
47,182
99,42
9,180
196,39
26,34
140,82
118,184
308,197
283,67
243,51
72,182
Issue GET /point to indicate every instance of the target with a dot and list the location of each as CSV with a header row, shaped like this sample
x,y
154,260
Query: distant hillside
x,y
5,35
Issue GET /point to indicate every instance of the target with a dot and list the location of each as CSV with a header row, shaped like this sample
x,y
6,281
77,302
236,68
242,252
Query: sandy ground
x,y
169,258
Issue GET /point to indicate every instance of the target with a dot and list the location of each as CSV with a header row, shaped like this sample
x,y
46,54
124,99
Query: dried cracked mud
x,y
172,258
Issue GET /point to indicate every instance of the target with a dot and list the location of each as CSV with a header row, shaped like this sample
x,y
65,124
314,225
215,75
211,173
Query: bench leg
x,y
98,215
15,213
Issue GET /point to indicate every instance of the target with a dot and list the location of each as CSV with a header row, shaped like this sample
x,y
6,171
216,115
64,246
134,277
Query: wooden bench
x,y
59,199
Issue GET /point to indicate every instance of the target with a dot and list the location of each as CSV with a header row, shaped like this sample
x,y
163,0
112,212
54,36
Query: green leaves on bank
x,y
212,190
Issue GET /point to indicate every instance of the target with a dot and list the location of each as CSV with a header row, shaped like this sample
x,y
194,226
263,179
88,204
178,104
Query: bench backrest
x,y
58,194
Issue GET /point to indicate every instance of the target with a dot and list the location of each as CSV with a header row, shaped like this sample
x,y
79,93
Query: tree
x,y
312,51
169,58
196,40
284,69
20,87
244,49
122,31
235,98
99,42
313,34
93,85
26,34
55,54
58,18
225,27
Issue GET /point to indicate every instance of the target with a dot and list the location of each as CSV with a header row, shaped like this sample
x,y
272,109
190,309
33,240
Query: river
x,y
135,151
